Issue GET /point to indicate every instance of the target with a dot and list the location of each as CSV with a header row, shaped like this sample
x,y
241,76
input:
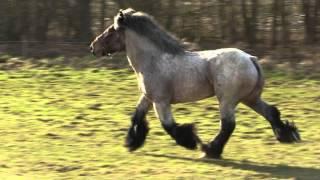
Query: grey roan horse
x,y
168,74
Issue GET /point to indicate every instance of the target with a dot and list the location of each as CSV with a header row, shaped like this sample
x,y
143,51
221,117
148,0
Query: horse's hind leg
x,y
227,125
184,134
284,132
139,126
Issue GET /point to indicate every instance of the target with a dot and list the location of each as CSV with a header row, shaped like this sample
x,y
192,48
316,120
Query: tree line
x,y
206,22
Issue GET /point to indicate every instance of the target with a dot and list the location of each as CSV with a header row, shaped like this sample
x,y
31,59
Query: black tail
x,y
256,92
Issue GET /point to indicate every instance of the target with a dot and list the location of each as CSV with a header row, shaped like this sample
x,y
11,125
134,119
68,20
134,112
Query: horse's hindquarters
x,y
235,75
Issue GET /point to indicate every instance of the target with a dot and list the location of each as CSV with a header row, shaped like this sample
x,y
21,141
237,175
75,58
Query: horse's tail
x,y
256,92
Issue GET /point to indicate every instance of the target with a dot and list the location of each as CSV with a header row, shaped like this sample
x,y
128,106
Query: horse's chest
x,y
150,86
141,83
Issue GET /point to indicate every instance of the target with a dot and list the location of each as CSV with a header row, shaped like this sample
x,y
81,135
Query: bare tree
x,y
102,15
44,12
284,22
275,23
222,18
311,16
232,21
170,14
250,16
83,30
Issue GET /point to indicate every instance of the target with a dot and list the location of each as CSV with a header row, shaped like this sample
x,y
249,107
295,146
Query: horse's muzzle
x,y
92,50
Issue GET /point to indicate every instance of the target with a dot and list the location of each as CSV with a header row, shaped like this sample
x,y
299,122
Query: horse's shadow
x,y
278,171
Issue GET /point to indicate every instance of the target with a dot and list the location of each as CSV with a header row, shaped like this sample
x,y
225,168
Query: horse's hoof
x,y
186,136
136,136
288,133
209,152
208,156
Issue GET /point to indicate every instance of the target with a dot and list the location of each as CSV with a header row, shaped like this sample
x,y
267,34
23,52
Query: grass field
x,y
63,123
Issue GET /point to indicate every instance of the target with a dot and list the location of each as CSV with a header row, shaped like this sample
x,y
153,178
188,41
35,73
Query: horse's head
x,y
110,41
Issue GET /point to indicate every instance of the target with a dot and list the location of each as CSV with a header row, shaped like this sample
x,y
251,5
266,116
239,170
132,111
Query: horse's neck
x,y
140,51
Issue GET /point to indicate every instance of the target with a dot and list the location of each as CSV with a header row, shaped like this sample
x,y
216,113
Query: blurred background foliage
x,y
286,29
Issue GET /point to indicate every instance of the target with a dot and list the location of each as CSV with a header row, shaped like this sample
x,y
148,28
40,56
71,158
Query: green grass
x,y
62,123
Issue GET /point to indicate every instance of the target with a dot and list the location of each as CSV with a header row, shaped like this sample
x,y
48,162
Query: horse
x,y
167,74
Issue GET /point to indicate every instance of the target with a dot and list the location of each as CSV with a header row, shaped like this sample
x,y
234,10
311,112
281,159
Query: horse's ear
x,y
129,11
119,19
121,14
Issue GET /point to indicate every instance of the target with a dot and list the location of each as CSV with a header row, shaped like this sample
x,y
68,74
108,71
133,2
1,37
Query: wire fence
x,y
44,49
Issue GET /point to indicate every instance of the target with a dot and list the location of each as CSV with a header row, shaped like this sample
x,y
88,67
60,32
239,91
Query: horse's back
x,y
223,53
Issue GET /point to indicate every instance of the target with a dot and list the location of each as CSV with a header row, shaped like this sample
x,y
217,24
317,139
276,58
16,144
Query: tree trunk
x,y
83,30
250,20
170,14
232,22
254,21
102,15
222,19
122,4
308,22
275,12
316,20
284,22
44,13
23,7
4,13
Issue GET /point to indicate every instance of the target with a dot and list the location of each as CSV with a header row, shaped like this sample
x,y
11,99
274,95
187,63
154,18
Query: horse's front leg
x,y
139,126
184,134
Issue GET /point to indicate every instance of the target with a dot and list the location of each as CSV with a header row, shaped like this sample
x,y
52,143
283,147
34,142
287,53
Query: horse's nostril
x,y
91,50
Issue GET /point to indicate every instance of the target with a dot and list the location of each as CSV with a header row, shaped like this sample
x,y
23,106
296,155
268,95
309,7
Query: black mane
x,y
146,26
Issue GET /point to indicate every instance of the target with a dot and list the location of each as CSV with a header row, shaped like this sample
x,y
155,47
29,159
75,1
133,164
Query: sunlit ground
x,y
62,123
